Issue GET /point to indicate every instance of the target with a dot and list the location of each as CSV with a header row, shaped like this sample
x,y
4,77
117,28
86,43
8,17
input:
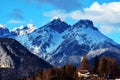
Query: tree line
x,y
101,67
67,72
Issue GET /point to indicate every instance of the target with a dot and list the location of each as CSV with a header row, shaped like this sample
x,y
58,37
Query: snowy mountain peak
x,y
85,24
56,19
2,26
58,25
24,29
31,26
3,30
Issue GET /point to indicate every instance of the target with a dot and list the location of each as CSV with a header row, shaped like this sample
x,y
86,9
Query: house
x,y
83,74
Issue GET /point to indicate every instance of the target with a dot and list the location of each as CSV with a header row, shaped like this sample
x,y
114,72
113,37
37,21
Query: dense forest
x,y
103,68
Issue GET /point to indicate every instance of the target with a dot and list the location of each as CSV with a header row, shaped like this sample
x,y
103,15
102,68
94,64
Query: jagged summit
x,y
24,29
85,24
2,26
58,25
57,19
31,26
3,30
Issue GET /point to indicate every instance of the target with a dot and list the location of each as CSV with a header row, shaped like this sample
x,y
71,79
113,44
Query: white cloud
x,y
107,15
107,29
15,22
119,29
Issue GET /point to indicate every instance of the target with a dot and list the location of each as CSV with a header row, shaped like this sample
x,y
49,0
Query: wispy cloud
x,y
66,5
17,14
107,29
107,15
59,13
16,22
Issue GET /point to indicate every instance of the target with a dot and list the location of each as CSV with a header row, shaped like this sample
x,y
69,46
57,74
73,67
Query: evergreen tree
x,y
95,65
112,66
46,74
102,66
85,63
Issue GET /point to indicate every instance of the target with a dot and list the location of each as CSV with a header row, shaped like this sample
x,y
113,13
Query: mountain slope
x,y
15,57
60,44
43,39
83,38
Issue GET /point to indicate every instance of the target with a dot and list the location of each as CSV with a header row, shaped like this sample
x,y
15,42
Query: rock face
x,y
16,58
60,43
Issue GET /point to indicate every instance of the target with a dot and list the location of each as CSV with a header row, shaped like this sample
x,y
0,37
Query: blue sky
x,y
104,13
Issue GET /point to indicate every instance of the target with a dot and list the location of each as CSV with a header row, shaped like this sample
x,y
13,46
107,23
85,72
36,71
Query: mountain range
x,y
60,43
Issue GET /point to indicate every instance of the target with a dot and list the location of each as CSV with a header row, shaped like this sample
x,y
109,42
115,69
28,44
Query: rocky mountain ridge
x,y
60,43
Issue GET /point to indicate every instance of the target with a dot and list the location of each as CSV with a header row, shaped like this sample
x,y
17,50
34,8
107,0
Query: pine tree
x,y
85,64
95,65
112,66
108,65
46,74
102,66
